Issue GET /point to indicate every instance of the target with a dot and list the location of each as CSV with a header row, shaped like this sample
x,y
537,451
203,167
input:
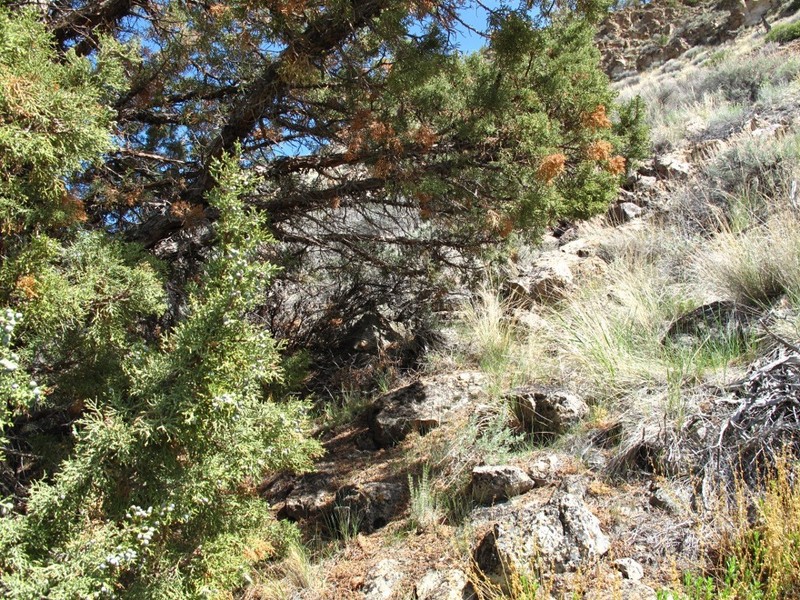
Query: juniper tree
x,y
379,149
149,154
151,490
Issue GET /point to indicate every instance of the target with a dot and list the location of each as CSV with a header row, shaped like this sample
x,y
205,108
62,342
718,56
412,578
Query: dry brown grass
x,y
757,550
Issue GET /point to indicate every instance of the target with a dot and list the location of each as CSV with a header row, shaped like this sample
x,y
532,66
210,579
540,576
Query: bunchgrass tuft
x,y
425,510
488,329
757,266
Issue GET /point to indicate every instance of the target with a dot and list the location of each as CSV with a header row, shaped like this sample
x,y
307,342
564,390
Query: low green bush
x,y
785,32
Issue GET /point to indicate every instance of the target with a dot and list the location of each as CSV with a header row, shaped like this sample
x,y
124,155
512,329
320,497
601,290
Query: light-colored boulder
x,y
495,483
548,279
671,166
562,535
451,584
424,405
629,568
544,470
383,580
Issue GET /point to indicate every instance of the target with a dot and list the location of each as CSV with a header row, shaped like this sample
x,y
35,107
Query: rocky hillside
x,y
614,414
641,36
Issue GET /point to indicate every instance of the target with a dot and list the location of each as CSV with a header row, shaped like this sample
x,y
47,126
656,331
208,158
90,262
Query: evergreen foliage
x,y
139,398
154,492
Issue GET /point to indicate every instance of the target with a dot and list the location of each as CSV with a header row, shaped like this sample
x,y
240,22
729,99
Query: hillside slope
x,y
599,419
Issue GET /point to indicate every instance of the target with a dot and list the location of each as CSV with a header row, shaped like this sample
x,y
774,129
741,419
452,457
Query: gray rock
x,y
492,484
561,535
623,212
306,502
671,167
675,48
424,405
627,589
629,568
645,183
366,507
579,247
547,412
549,279
451,584
544,469
383,580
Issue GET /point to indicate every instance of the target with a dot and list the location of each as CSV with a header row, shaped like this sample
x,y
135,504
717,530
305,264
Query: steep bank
x,y
597,419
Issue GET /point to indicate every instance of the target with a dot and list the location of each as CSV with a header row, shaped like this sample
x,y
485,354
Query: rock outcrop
x,y
546,412
636,38
492,484
560,536
424,405
552,275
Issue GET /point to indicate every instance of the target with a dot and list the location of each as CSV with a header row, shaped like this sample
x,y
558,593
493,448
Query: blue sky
x,y
475,17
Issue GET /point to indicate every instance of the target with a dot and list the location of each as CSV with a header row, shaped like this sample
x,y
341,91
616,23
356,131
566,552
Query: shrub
x,y
160,437
741,79
783,33
761,558
762,166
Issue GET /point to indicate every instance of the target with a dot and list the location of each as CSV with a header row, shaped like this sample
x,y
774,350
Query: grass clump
x,y
611,333
488,329
786,32
759,265
424,505
761,558
346,407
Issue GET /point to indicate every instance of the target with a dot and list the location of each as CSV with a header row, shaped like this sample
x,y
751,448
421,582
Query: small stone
x,y
492,484
629,568
623,212
544,470
383,580
451,584
645,182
